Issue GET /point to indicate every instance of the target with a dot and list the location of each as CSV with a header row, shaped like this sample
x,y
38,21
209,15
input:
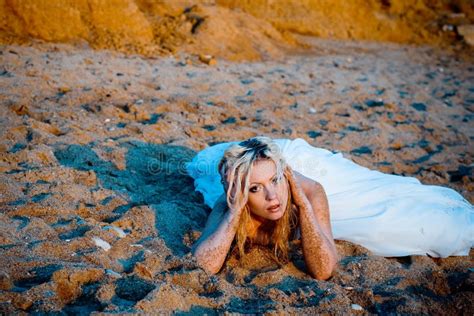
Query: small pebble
x,y
101,243
119,231
356,307
312,111
208,59
448,28
64,90
112,273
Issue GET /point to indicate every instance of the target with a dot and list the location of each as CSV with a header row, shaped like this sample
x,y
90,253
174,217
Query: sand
x,y
98,214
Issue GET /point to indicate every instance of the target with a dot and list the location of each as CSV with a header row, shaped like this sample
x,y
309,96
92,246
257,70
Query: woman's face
x,y
268,195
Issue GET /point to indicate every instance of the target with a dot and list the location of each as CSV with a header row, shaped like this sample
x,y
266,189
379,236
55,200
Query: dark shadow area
x,y
133,288
86,303
39,275
199,310
129,263
460,281
388,307
406,261
250,306
291,285
154,176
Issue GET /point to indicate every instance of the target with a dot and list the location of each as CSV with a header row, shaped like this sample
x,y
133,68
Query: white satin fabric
x,y
389,215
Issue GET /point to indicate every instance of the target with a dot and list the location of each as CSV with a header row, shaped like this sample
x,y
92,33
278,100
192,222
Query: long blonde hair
x,y
235,168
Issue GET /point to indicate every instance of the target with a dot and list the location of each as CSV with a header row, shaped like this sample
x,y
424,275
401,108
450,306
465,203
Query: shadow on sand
x,y
154,176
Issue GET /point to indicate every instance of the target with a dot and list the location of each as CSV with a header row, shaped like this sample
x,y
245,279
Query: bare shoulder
x,y
315,193
309,186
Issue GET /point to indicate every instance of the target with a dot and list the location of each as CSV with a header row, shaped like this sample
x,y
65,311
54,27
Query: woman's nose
x,y
271,193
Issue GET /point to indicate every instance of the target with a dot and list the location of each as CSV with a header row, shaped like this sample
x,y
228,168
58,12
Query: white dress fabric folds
x,y
389,215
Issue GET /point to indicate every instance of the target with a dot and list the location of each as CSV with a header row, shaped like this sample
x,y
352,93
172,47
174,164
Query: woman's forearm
x,y
318,249
213,246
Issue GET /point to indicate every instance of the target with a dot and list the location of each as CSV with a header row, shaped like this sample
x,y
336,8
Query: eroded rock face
x,y
100,22
145,27
235,30
397,20
467,32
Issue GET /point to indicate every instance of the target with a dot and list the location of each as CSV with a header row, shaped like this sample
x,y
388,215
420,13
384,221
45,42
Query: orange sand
x,y
97,213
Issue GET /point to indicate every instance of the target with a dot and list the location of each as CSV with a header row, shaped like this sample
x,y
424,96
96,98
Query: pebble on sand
x,y
101,243
208,59
119,231
356,307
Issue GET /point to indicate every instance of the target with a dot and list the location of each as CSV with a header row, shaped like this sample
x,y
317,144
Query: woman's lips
x,y
273,208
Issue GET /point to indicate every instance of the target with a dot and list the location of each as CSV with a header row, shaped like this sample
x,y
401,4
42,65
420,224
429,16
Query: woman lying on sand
x,y
268,201
264,204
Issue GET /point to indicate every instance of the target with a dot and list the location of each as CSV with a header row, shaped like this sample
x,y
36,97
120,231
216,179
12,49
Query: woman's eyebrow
x,y
252,183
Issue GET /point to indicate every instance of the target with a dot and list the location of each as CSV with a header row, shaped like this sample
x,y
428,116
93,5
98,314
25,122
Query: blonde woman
x,y
266,192
265,203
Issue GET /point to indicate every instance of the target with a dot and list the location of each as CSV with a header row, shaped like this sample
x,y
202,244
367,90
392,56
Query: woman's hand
x,y
298,195
234,206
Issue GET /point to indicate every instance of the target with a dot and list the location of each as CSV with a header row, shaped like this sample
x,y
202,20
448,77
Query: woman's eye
x,y
253,189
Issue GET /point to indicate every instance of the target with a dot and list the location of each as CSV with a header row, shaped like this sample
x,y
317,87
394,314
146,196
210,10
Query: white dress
x,y
389,215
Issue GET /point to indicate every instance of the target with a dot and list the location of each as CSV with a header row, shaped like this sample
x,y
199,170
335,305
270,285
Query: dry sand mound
x,y
402,21
97,214
145,27
235,30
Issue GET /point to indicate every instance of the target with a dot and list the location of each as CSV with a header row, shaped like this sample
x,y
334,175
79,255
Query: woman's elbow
x,y
324,274
209,268
326,271
205,262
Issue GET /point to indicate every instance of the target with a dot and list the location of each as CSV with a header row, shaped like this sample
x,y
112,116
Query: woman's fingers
x,y
297,193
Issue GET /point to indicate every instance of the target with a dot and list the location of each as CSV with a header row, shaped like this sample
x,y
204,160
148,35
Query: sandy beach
x,y
98,215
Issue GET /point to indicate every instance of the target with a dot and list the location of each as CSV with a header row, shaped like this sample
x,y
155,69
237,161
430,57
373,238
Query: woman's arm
x,y
317,241
212,247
